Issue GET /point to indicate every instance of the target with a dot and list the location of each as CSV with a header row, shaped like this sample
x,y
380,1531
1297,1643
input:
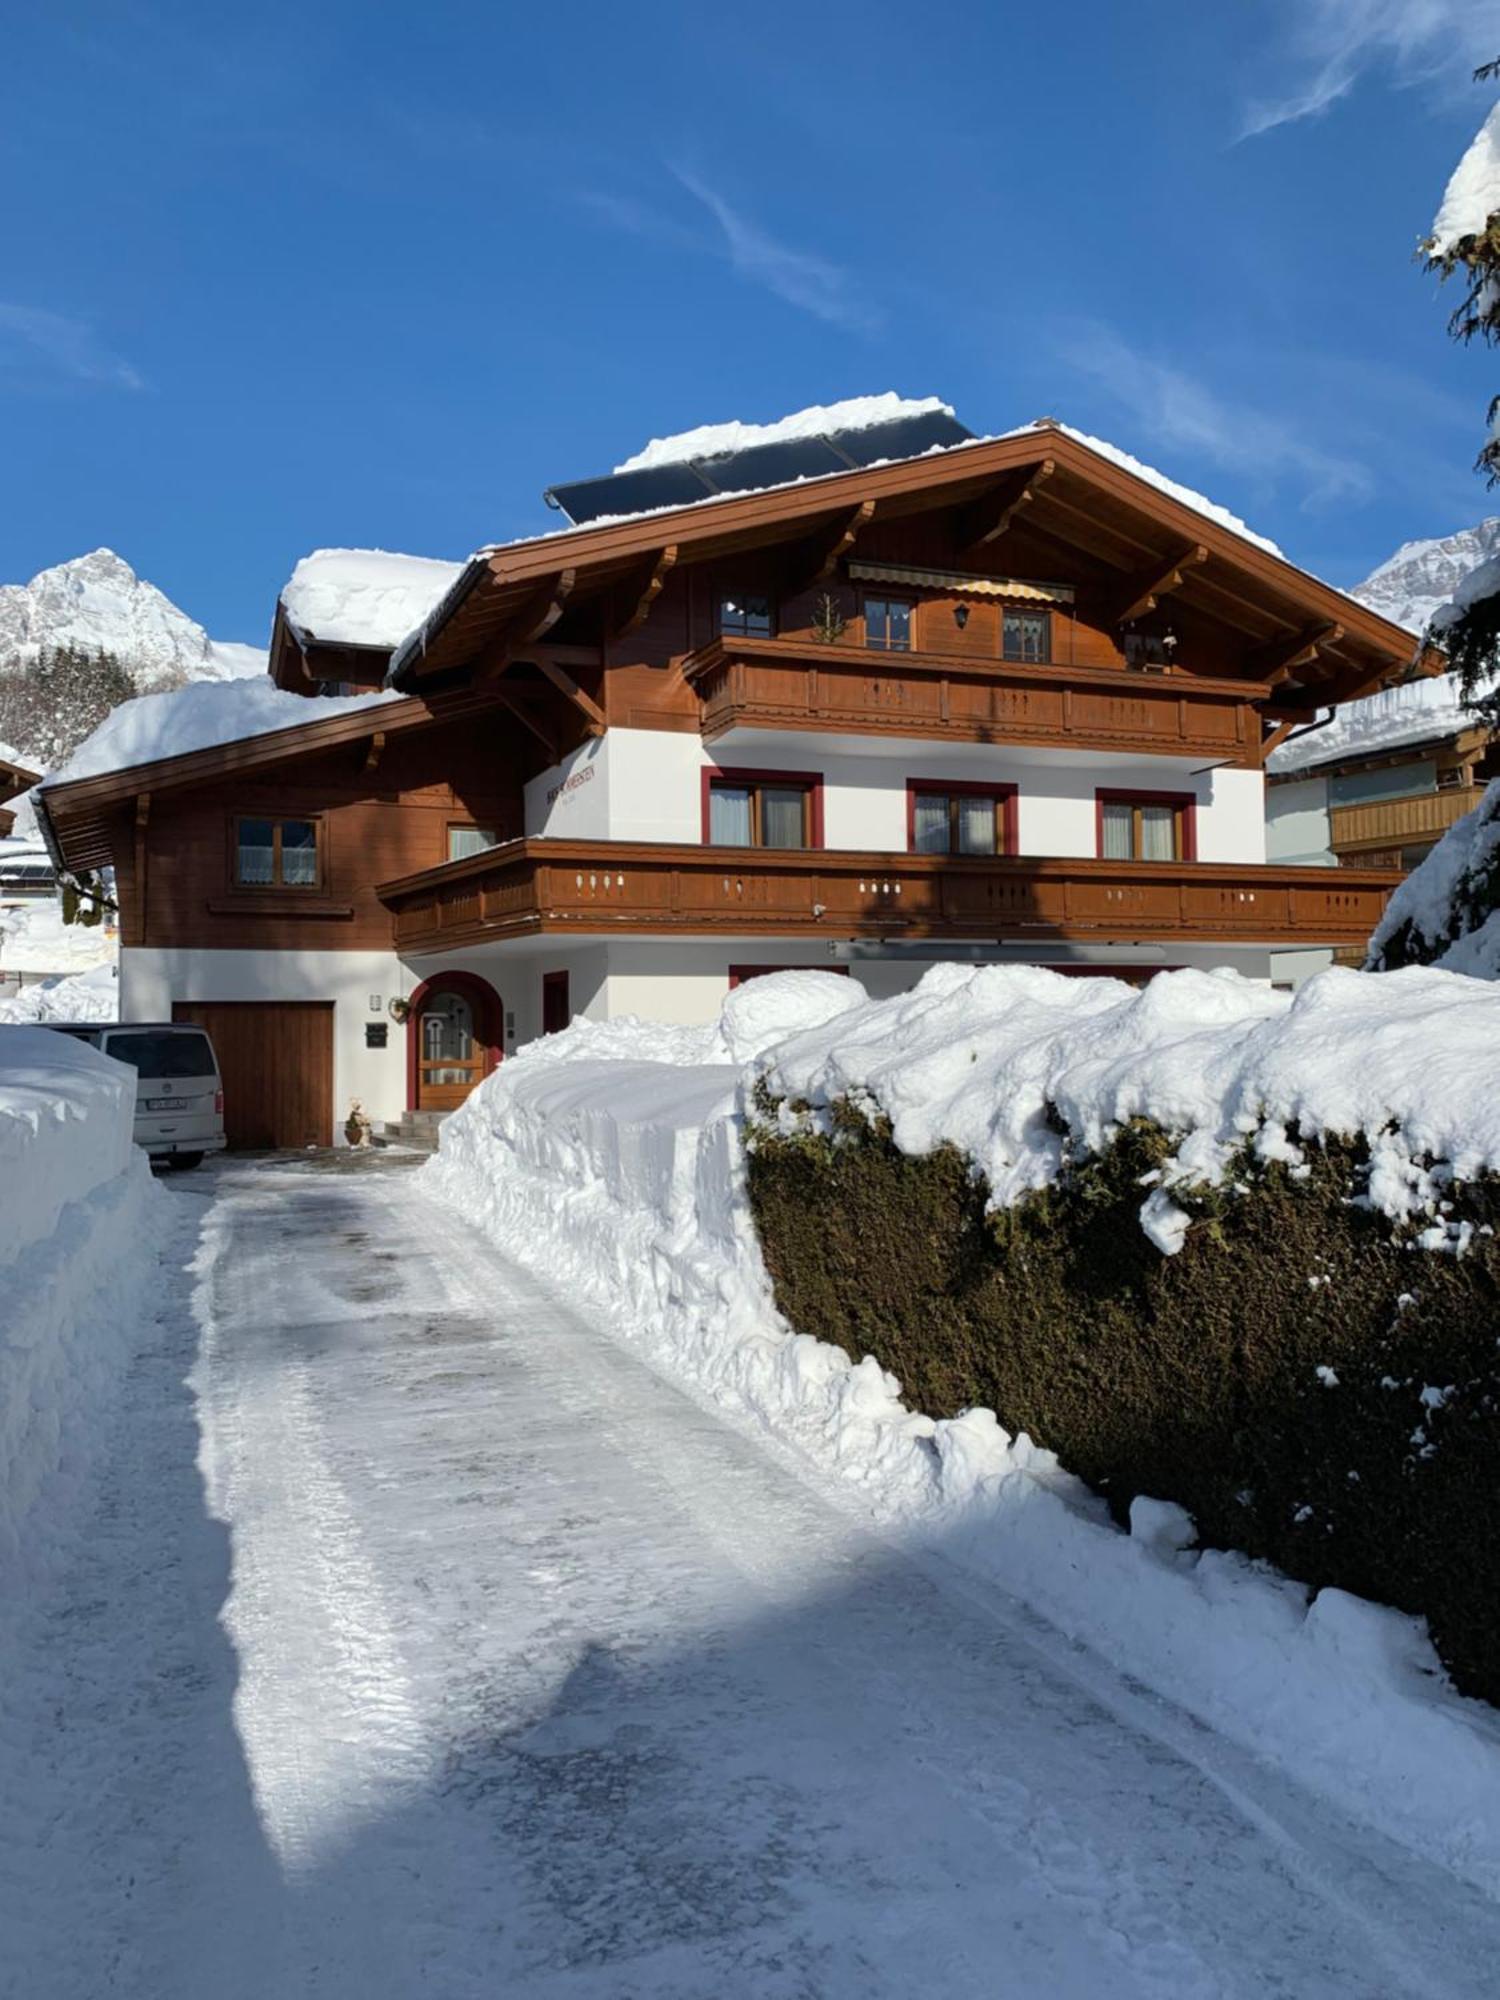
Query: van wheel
x,y
187,1160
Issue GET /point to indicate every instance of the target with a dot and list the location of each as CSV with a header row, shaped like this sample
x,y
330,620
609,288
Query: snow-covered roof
x,y
1186,494
1422,711
363,597
855,413
1473,194
199,717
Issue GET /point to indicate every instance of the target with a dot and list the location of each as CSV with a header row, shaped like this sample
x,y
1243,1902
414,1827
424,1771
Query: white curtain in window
x,y
299,852
976,826
781,816
465,840
729,815
1119,838
930,822
254,862
1158,833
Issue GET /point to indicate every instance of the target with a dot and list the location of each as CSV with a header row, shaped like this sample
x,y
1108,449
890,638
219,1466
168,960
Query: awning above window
x,y
956,579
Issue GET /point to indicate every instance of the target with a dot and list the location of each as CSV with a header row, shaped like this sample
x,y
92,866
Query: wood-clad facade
x,y
1010,700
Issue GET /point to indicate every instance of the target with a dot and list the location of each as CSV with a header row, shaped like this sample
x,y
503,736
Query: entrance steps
x,y
416,1129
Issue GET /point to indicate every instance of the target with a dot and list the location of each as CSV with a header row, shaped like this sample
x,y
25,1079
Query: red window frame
x,y
1185,803
810,781
1005,797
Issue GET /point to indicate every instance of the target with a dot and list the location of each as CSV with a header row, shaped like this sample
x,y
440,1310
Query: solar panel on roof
x,y
779,463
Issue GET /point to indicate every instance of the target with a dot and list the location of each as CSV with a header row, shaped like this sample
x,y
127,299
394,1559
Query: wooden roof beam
x,y
816,559
528,721
661,567
1141,593
375,751
985,520
593,715
1277,662
533,621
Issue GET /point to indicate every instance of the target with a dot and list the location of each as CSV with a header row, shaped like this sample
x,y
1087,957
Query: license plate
x,y
166,1104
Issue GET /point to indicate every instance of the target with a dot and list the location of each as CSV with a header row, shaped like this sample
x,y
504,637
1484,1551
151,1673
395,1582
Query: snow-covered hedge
x,y
79,1225
611,1160
1447,911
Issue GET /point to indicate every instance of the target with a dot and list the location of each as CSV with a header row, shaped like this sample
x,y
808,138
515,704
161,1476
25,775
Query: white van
x,y
179,1097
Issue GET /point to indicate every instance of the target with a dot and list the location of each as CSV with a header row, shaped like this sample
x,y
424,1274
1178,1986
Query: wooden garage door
x,y
276,1059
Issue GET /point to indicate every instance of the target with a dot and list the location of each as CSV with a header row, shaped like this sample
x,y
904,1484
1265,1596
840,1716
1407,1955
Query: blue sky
x,y
294,275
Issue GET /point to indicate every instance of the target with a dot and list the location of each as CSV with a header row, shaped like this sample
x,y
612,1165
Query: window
x,y
762,809
747,616
1028,635
276,853
1145,826
888,622
466,840
959,819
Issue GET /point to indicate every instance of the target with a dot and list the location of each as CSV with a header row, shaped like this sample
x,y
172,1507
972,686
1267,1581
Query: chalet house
x,y
861,697
15,778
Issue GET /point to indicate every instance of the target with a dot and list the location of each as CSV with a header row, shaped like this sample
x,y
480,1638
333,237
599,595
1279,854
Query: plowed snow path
x,y
483,1661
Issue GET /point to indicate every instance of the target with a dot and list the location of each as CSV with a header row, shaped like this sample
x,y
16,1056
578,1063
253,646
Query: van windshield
x,y
160,1052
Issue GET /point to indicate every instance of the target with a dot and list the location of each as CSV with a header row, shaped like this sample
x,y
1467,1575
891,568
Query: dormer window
x,y
745,616
1028,636
888,623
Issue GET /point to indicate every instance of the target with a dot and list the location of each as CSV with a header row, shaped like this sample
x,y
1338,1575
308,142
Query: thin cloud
x,y
801,278
1173,409
1333,43
45,345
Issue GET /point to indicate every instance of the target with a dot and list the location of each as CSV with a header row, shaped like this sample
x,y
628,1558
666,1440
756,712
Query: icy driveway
x,y
488,1663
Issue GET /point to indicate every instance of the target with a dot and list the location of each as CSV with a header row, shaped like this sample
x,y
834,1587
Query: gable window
x,y
1028,635
745,616
1146,826
276,853
959,819
888,623
466,840
762,809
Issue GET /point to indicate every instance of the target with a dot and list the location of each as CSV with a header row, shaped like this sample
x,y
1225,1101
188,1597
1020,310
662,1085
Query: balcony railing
x,y
1401,822
794,684
562,886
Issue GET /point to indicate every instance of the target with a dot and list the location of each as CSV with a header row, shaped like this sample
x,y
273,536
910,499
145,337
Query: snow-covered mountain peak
x,y
1409,586
97,602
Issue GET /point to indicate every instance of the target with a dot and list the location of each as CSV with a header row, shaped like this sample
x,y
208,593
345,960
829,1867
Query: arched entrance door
x,y
453,1040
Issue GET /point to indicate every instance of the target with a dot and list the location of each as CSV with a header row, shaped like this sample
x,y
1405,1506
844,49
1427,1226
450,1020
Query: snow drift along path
x,y
479,1659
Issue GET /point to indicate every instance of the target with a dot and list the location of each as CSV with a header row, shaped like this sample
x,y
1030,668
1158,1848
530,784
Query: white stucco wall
x,y
151,978
1298,828
645,784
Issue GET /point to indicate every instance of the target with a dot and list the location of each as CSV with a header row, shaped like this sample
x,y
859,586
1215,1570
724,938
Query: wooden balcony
x,y
787,684
1397,823
528,887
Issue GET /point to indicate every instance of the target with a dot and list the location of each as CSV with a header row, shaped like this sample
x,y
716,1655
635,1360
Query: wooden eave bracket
x,y
1140,595
1277,662
533,621
819,558
565,684
375,751
986,520
528,721
661,568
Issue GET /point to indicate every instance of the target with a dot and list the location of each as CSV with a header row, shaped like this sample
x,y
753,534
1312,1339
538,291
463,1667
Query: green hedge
x,y
1193,1378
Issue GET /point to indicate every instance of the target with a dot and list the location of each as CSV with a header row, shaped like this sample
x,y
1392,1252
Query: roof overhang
x,y
1300,624
79,819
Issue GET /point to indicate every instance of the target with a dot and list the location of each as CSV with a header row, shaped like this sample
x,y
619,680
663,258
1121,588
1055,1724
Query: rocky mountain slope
x,y
97,603
1410,585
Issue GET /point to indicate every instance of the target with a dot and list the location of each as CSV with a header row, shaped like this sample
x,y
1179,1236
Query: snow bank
x,y
618,1175
364,597
854,413
85,996
199,717
1473,194
982,1057
1448,902
79,1220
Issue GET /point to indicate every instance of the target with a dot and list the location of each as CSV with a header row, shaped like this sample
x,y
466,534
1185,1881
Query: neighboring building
x,y
15,778
867,700
1378,784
